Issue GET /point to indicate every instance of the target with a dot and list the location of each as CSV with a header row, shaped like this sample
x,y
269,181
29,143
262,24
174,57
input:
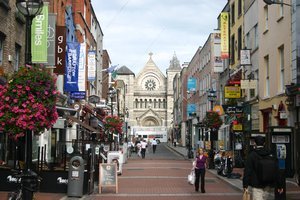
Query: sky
x,y
134,28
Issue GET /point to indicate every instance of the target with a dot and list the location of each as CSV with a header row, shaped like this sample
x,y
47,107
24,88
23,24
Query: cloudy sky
x,y
134,28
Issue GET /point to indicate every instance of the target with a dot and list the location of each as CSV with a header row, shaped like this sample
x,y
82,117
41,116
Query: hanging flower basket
x,y
212,120
28,102
113,124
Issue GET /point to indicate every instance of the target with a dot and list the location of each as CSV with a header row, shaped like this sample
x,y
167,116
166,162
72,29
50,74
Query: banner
x,y
82,68
91,65
39,30
191,84
60,50
71,71
191,108
224,35
51,39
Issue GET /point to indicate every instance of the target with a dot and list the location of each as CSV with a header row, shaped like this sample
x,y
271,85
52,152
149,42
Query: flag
x,y
110,69
114,75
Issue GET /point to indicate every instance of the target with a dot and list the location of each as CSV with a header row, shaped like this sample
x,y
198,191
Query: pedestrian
x,y
154,144
199,167
139,149
144,145
130,148
253,176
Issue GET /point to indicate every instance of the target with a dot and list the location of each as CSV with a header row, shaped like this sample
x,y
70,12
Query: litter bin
x,y
76,177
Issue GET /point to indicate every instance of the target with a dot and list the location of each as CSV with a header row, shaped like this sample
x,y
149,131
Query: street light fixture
x,y
112,93
30,9
270,2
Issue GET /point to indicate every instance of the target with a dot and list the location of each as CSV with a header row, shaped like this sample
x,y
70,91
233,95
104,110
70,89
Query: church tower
x,y
173,69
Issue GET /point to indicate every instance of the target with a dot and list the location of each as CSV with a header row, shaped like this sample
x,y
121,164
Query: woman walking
x,y
200,165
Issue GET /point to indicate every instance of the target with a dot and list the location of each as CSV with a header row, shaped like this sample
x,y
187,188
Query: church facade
x,y
149,99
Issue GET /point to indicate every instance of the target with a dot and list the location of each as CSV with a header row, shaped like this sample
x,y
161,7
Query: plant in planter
x,y
28,102
212,120
113,124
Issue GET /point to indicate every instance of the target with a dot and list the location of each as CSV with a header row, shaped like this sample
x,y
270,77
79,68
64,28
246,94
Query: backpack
x,y
267,170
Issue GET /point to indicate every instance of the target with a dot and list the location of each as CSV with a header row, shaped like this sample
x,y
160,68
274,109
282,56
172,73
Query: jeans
x,y
200,177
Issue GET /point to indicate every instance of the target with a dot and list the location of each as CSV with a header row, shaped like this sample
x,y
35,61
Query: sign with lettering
x,y
232,92
51,39
108,176
39,36
60,52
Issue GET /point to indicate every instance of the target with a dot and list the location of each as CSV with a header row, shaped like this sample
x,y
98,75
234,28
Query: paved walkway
x,y
157,178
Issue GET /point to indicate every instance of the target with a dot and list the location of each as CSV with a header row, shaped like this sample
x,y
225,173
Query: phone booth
x,y
281,143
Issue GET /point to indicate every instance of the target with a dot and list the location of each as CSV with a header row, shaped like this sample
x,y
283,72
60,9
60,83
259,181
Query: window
x,y
255,36
239,41
266,15
247,41
1,50
232,58
267,77
281,68
232,14
239,7
17,57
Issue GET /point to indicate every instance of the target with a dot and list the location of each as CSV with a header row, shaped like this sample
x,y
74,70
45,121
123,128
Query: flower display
x,y
212,120
28,102
113,124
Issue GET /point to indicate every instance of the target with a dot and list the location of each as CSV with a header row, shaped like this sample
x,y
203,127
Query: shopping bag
x,y
246,195
191,177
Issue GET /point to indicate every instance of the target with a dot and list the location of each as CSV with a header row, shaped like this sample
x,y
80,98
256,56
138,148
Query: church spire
x,y
174,63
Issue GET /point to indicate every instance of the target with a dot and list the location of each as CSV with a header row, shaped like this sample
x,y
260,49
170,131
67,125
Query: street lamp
x,y
270,2
112,93
30,9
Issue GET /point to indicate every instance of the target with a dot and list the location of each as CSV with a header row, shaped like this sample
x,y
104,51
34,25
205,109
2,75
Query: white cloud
x,y
133,28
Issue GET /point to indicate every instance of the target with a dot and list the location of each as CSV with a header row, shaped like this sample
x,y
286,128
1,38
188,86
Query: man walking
x,y
143,146
261,172
154,144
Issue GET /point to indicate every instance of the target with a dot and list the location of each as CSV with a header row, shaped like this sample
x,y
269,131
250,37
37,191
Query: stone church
x,y
149,99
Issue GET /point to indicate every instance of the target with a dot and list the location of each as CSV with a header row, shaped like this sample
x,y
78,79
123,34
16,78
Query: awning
x,y
83,124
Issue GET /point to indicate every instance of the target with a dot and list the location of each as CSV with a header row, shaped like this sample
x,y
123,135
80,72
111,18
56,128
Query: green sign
x,y
39,34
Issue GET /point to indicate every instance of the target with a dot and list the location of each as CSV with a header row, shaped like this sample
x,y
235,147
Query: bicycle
x,y
27,185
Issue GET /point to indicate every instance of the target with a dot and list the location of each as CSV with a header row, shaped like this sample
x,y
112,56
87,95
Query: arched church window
x,y
150,103
136,103
146,103
141,103
155,102
159,103
164,104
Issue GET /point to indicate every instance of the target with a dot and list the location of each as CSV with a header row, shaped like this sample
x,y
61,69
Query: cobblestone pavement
x,y
163,176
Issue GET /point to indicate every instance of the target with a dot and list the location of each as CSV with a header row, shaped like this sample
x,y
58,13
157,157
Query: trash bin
x,y
76,177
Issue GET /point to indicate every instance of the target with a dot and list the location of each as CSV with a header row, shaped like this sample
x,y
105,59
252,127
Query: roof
x,y
124,71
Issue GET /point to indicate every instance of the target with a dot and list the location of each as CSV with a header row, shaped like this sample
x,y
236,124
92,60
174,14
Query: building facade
x,y
149,97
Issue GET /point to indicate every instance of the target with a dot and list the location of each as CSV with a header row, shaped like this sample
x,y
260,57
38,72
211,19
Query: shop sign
x,y
237,127
78,95
232,92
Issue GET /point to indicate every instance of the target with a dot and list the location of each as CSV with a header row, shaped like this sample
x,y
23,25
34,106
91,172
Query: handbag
x,y
191,177
246,195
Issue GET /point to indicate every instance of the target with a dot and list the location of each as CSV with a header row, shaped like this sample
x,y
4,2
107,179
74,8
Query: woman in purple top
x,y
200,165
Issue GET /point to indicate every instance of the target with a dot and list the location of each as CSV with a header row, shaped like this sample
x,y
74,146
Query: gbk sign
x,y
60,51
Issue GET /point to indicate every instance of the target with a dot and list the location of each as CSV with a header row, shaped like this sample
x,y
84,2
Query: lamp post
x,y
30,9
112,93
